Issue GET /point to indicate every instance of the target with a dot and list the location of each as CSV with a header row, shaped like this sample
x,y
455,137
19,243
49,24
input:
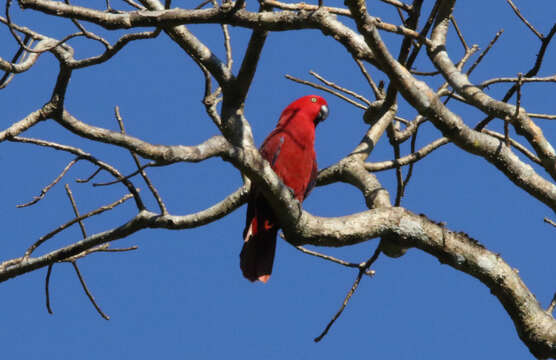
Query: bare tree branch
x,y
49,186
24,124
88,292
532,72
408,159
397,228
547,220
323,88
140,168
47,288
333,259
78,219
485,51
82,154
215,146
518,13
524,80
338,87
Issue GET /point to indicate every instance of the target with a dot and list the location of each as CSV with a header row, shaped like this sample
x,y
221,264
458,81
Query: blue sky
x,y
181,295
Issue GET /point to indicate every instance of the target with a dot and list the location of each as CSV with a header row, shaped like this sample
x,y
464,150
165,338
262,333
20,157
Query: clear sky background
x,y
181,295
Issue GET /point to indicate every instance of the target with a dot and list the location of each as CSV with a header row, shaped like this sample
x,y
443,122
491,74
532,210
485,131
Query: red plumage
x,y
289,149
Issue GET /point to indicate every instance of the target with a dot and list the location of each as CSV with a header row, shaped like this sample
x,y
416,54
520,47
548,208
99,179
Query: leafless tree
x,y
528,159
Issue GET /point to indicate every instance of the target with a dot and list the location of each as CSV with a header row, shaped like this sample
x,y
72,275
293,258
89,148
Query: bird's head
x,y
312,107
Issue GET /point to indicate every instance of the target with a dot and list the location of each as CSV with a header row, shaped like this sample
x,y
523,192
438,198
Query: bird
x,y
290,151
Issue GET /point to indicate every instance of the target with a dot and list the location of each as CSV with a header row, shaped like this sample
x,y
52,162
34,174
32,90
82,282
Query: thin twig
x,y
485,51
532,72
410,22
423,34
89,295
399,175
344,304
49,186
46,288
402,120
378,94
95,173
362,269
338,87
100,210
87,33
402,18
410,171
333,259
141,169
515,80
227,39
76,212
458,31
127,177
408,159
86,156
542,116
131,248
396,146
470,51
100,248
515,144
227,46
115,48
518,100
548,221
323,88
518,13
517,107
424,73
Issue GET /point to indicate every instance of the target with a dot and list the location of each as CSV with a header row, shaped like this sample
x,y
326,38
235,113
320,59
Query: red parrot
x,y
291,153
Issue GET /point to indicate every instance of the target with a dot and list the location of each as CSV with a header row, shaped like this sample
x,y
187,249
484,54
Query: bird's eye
x,y
314,100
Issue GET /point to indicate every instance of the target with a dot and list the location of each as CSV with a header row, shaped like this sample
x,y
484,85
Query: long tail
x,y
257,254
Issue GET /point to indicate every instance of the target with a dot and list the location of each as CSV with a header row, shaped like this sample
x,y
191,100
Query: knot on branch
x,y
375,111
229,8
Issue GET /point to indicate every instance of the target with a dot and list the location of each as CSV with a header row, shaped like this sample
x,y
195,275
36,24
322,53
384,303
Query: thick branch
x,y
191,44
24,124
226,14
28,62
214,146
